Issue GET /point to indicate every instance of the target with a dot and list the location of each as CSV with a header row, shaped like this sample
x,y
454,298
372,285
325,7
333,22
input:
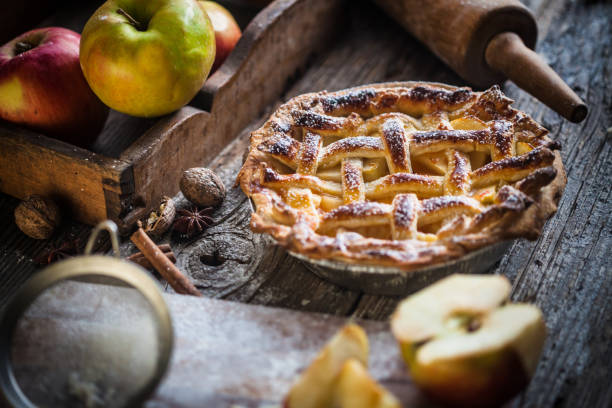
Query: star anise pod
x,y
193,220
66,249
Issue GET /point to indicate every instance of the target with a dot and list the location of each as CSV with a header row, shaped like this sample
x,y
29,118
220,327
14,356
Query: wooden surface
x,y
31,163
567,272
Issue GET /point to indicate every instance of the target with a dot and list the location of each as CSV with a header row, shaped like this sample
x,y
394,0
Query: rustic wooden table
x,y
567,271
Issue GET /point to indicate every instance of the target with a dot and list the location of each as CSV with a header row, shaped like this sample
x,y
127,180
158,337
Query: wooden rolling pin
x,y
487,41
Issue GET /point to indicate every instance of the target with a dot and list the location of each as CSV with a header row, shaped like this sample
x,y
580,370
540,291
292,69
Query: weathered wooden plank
x,y
175,143
567,271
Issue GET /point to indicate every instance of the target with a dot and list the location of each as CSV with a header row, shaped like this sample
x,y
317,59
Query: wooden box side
x,y
90,186
159,157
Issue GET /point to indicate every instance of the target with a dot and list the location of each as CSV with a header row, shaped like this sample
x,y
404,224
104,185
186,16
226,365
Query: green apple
x,y
464,345
147,57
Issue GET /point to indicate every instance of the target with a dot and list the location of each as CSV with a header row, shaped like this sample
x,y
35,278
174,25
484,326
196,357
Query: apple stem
x,y
22,47
131,19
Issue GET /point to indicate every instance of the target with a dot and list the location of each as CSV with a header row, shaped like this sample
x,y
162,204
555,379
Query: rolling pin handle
x,y
507,54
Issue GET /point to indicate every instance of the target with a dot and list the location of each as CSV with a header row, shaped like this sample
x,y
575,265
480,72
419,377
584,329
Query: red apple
x,y
42,86
227,31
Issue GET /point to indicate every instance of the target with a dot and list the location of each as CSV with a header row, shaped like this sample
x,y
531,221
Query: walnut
x,y
37,217
160,221
202,187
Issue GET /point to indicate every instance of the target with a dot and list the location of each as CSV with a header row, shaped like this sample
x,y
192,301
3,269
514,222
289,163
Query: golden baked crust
x,y
400,174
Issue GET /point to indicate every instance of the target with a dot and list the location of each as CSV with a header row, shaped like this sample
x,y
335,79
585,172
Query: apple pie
x,y
400,174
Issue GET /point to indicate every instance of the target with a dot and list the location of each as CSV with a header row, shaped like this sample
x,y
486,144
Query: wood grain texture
x,y
566,271
92,186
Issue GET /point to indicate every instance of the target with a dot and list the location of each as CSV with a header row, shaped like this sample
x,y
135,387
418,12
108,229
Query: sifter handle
x,y
507,54
109,226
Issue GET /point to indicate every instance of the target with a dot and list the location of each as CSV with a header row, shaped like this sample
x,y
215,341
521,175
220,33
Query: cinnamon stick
x,y
139,258
179,282
165,248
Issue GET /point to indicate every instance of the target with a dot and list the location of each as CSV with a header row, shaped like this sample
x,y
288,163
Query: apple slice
x,y
522,148
468,123
479,159
430,163
485,195
356,389
463,346
374,168
315,387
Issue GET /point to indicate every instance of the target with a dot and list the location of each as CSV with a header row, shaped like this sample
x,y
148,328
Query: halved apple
x,y
463,345
315,387
356,389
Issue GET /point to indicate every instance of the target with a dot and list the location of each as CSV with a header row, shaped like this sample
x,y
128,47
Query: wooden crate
x,y
136,161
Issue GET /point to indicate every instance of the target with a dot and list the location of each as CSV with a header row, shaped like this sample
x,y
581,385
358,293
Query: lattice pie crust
x,y
402,174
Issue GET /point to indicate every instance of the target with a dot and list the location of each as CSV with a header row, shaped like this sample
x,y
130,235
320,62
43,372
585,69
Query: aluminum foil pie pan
x,y
386,280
